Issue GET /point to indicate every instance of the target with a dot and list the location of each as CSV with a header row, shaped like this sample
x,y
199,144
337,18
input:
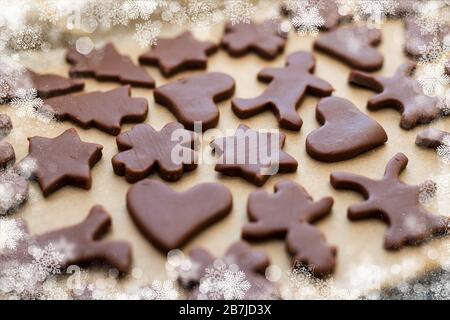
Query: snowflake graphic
x,y
53,10
146,33
427,191
53,290
440,199
11,192
430,16
27,38
173,12
26,167
108,13
20,281
374,12
28,104
443,150
104,289
202,13
10,234
64,248
433,79
46,261
432,52
139,9
444,103
159,290
239,11
222,281
307,22
11,73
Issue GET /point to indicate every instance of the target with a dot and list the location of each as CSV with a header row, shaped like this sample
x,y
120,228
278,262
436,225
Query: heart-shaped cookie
x,y
345,133
169,219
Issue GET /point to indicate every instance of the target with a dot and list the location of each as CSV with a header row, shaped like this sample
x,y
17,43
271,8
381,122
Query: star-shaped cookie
x,y
183,52
400,92
263,39
63,160
253,155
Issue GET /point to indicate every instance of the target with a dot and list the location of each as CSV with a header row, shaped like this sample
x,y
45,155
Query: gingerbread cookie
x,y
75,245
400,92
394,202
239,258
288,213
144,150
64,160
183,52
253,155
103,110
263,39
286,89
431,138
354,46
340,136
193,99
106,64
169,219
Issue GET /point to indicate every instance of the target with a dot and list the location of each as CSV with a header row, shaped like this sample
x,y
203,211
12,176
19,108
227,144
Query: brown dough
x,y
346,132
169,219
352,45
431,138
81,241
183,52
286,89
247,162
288,213
394,202
103,110
63,160
400,92
263,39
253,263
144,150
193,99
107,64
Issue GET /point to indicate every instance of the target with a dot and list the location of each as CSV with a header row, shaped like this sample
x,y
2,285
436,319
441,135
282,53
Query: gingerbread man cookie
x,y
286,89
394,202
400,92
288,213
